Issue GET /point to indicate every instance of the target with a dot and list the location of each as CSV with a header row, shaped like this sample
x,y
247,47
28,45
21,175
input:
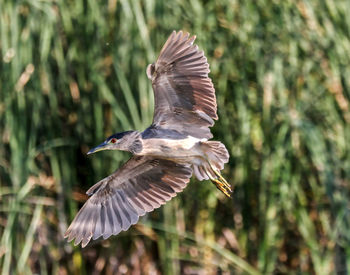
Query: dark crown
x,y
119,135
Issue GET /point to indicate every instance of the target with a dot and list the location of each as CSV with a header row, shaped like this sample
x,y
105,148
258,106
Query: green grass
x,y
73,72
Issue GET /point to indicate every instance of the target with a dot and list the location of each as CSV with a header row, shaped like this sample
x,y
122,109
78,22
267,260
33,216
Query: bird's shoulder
x,y
155,131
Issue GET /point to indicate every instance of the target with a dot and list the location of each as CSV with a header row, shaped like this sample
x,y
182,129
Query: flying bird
x,y
166,154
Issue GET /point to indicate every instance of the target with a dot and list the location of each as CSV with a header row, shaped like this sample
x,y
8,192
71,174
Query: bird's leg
x,y
221,178
221,187
220,183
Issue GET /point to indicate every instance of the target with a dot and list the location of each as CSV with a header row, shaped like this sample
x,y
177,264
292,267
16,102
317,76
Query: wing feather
x,y
134,202
184,94
118,223
98,225
140,186
108,224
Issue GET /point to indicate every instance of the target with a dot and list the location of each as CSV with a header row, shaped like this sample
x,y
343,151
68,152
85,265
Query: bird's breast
x,y
168,148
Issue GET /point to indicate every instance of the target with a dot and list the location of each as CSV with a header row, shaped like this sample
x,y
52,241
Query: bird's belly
x,y
171,148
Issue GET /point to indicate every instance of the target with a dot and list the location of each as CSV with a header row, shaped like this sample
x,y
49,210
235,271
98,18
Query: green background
x,y
73,72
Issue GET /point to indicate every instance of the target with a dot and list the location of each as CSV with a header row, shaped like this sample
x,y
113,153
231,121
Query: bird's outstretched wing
x,y
184,94
139,186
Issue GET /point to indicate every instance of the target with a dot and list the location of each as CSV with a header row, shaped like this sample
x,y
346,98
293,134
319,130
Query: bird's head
x,y
125,141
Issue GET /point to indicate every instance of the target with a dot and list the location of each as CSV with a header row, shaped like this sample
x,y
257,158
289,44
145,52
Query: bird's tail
x,y
216,156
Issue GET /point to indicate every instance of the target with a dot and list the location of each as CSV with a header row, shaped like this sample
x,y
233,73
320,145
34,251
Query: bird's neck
x,y
135,144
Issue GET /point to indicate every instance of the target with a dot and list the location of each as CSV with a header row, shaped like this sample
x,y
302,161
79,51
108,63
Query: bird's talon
x,y
223,188
220,183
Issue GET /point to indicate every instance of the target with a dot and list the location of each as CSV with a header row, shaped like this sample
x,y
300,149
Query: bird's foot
x,y
220,182
226,189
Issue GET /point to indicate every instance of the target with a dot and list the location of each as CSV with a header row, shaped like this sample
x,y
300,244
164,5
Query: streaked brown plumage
x,y
166,153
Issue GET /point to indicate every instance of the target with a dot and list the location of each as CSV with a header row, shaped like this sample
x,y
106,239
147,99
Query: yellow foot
x,y
220,182
219,185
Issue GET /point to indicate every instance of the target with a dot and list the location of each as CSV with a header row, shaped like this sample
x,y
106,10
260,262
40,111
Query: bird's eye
x,y
113,140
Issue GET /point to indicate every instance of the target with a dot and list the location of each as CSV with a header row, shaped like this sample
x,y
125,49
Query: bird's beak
x,y
101,147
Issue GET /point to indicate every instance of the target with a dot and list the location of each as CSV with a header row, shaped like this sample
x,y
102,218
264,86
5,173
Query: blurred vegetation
x,y
73,72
